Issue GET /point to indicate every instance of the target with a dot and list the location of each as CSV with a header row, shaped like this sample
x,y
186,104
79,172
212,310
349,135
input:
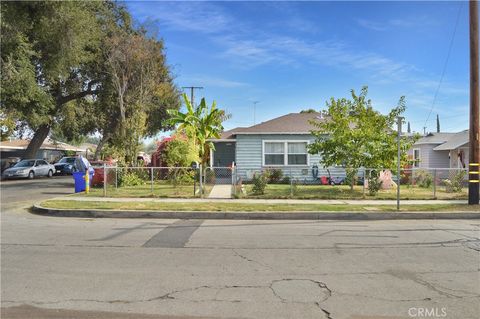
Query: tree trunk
x,y
38,138
100,145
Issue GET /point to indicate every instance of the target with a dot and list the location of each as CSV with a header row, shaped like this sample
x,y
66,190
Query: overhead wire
x,y
446,62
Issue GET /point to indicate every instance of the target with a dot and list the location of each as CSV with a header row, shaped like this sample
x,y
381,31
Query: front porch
x,y
224,153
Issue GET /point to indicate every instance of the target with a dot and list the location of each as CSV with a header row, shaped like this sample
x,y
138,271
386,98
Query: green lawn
x,y
247,207
344,192
160,190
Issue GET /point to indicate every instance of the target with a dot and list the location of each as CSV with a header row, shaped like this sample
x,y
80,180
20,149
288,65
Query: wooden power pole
x,y
474,158
192,95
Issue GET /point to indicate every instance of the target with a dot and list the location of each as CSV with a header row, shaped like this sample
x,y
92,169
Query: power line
x,y
192,95
446,62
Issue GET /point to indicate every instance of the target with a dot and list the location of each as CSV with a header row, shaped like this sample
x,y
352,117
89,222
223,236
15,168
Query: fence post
x,y
104,180
116,176
201,182
233,190
151,179
434,183
364,181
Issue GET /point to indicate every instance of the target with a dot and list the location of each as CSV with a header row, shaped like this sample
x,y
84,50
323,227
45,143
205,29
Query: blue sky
x,y
296,55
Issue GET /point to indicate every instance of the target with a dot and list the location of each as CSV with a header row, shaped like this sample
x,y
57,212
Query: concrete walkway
x,y
263,201
221,191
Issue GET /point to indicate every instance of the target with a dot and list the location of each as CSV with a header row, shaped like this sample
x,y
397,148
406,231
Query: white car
x,y
29,168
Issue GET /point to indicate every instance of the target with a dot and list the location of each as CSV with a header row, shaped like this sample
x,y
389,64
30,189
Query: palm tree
x,y
200,124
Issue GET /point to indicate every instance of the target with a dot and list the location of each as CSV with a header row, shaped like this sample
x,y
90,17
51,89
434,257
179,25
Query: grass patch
x,y
160,190
247,207
282,191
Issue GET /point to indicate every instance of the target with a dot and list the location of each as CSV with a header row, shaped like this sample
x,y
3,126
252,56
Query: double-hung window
x,y
281,153
297,153
274,153
416,157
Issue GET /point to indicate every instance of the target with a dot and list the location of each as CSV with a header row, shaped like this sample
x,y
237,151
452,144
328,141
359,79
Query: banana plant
x,y
200,124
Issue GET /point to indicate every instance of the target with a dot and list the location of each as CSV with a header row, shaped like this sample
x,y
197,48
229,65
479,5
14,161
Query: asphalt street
x,y
149,268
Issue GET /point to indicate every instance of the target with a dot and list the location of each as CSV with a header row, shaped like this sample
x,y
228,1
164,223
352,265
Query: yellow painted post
x,y
87,181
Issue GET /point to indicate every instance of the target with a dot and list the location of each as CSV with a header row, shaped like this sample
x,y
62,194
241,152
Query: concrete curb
x,y
99,213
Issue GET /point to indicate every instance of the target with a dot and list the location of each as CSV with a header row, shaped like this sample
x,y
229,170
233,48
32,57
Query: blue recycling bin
x,y
79,179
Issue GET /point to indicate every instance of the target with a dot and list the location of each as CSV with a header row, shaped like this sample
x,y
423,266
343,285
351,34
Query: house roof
x,y
47,145
435,138
292,123
454,141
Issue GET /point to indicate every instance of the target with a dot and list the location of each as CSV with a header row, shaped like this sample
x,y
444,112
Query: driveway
x,y
16,192
120,268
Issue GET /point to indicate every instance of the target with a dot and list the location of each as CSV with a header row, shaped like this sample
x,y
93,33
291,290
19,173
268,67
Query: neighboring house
x,y
441,150
50,151
277,143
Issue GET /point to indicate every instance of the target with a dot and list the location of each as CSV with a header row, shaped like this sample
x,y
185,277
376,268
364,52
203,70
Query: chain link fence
x,y
174,182
301,183
344,183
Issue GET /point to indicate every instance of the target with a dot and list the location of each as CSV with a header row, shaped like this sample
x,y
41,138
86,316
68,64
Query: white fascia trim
x,y
273,133
222,140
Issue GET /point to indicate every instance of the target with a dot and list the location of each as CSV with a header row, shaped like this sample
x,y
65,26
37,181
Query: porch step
x,y
221,191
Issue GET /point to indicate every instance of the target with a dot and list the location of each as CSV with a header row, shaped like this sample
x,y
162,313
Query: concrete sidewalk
x,y
262,201
221,191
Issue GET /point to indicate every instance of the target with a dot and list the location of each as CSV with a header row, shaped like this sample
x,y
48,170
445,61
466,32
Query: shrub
x,y
455,184
374,183
274,175
180,176
131,179
285,180
423,178
259,182
178,152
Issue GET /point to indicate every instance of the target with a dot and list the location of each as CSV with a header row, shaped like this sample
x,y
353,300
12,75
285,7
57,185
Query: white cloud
x,y
372,25
210,81
185,16
408,22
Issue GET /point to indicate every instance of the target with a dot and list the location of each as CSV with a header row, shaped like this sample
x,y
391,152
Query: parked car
x,y
9,162
66,166
29,168
99,173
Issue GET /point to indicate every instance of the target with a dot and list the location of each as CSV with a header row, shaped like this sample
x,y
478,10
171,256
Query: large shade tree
x,y
353,134
81,67
49,56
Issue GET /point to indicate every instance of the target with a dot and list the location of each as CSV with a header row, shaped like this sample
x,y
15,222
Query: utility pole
x,y
254,110
399,133
192,96
424,130
474,158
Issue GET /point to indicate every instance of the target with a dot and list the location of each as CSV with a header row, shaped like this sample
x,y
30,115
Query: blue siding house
x,y
277,143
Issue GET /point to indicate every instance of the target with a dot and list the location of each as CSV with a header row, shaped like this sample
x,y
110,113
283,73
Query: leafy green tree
x,y
49,55
140,88
7,125
60,71
354,135
199,124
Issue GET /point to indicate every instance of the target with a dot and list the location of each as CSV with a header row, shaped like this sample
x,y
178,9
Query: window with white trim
x,y
297,153
281,153
416,157
274,153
